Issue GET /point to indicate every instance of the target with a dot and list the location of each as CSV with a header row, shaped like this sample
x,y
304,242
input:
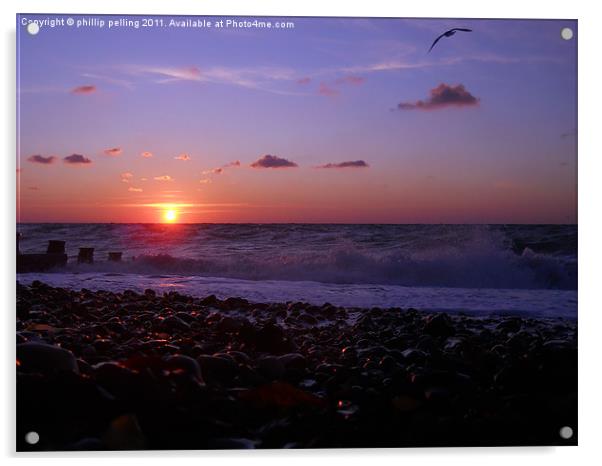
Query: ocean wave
x,y
467,270
461,256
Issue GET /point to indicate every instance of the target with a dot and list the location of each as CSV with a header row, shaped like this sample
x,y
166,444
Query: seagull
x,y
449,33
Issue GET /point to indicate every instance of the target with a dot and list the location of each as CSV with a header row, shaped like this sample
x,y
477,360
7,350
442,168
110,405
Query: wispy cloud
x,y
348,164
77,159
220,170
146,155
272,161
183,157
132,189
126,177
205,180
166,74
82,90
351,80
327,90
214,171
40,159
163,178
569,134
113,151
443,96
262,78
109,79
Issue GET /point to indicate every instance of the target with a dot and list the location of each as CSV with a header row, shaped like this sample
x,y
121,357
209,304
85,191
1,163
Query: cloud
x,y
327,90
569,134
220,170
170,74
304,81
113,152
110,80
353,80
205,181
83,90
260,78
348,164
163,178
41,159
271,161
183,157
146,155
77,159
134,190
443,96
126,177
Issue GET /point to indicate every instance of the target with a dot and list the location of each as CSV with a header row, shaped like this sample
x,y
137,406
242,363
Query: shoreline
x,y
539,303
104,370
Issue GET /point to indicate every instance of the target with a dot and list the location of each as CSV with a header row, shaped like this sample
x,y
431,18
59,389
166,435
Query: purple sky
x,y
336,120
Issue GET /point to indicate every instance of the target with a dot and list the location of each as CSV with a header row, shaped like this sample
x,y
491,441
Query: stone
x,y
40,357
438,325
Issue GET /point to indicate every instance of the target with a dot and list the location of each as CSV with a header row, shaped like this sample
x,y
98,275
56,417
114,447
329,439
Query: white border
x,y
590,170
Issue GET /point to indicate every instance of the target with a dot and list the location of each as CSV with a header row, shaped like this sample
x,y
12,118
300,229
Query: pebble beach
x,y
100,370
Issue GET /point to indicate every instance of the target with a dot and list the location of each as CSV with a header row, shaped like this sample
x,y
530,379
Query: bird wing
x,y
462,29
435,41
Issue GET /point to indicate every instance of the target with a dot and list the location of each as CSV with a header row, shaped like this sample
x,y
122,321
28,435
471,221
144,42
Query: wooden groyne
x,y
55,256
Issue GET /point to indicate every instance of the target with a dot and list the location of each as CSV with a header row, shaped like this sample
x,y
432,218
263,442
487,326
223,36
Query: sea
x,y
476,269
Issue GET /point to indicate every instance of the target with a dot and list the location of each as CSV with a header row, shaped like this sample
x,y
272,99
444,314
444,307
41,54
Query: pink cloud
x,y
272,161
41,159
327,90
83,90
183,157
304,81
146,155
220,170
443,96
353,80
349,164
77,159
113,152
126,177
134,190
163,178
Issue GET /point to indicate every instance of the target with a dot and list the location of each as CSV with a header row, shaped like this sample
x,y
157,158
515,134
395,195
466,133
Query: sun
x,y
170,215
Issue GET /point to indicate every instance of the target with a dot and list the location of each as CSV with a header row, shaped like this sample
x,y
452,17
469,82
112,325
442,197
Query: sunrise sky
x,y
336,120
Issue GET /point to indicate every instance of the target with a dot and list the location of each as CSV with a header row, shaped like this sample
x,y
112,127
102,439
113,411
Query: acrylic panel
x,y
300,232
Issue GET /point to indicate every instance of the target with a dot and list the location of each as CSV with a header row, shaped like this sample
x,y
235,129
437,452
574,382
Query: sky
x,y
327,120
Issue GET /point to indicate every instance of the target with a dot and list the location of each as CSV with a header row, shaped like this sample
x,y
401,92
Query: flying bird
x,y
449,33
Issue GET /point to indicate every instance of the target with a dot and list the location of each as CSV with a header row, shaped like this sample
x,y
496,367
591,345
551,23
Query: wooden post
x,y
115,256
55,247
85,256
